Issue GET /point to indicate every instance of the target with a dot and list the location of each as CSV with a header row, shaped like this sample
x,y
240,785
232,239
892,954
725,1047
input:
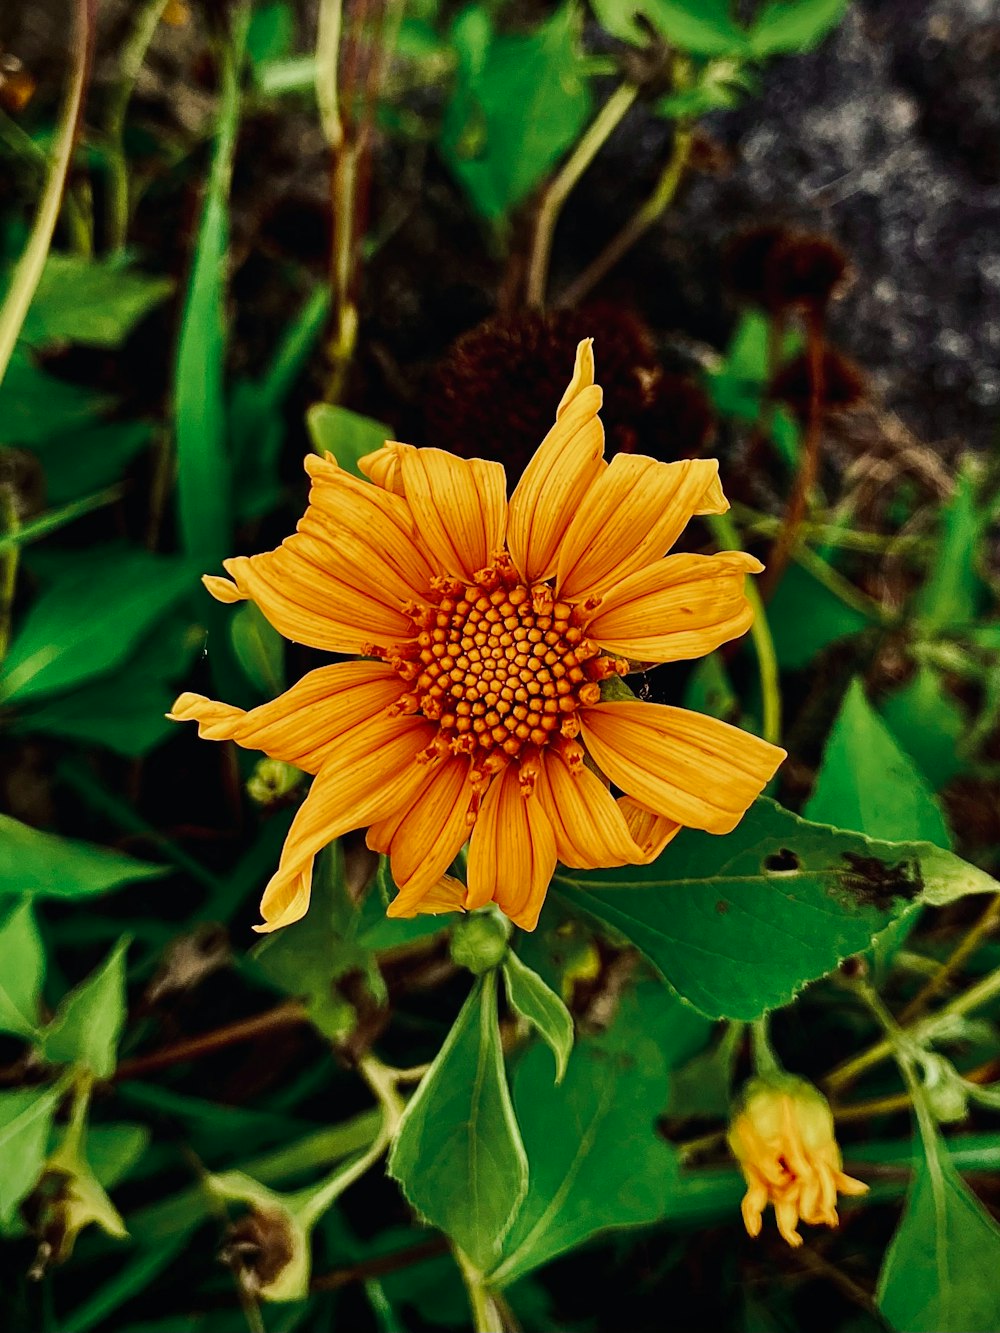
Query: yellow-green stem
x,y
562,184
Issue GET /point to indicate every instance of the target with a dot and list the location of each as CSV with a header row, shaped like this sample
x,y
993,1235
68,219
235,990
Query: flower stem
x,y
968,945
563,183
724,530
486,1318
637,226
9,559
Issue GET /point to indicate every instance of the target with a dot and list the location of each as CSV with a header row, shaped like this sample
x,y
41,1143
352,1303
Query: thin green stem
x,y
562,184
325,71
22,144
9,558
130,62
21,534
724,530
841,588
765,1060
966,947
486,1317
637,226
28,270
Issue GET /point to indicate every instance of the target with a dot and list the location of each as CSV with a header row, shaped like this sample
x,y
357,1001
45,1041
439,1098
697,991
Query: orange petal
x,y
649,832
589,828
632,515
447,895
682,607
512,853
367,526
696,770
384,466
424,838
374,771
223,590
460,508
314,604
558,477
302,725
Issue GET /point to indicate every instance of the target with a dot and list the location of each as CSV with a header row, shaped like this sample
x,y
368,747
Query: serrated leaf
x,y
25,1125
539,1005
345,434
88,1023
91,301
595,1157
89,620
47,866
737,925
793,25
867,782
458,1155
22,972
939,1274
519,102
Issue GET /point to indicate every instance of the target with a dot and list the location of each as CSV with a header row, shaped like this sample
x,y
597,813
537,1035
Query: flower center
x,y
498,665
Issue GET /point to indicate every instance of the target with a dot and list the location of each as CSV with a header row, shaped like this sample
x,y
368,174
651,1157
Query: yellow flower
x,y
782,1136
485,629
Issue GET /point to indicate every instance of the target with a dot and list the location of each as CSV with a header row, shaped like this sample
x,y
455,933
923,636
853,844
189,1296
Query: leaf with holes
x,y
737,925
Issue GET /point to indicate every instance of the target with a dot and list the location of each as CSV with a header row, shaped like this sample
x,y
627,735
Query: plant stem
x,y
28,270
486,1318
282,1015
985,926
10,552
325,74
562,184
637,226
764,1059
809,460
728,539
130,63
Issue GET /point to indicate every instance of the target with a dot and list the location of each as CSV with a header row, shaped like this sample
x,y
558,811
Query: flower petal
x,y
302,725
384,466
424,837
460,507
314,604
512,853
447,895
696,770
554,483
589,828
649,832
632,515
375,770
682,607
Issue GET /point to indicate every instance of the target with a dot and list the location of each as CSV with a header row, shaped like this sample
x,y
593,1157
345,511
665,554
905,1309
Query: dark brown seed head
x,y
842,384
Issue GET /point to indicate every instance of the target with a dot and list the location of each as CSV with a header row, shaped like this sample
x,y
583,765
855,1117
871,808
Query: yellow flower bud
x,y
271,781
782,1136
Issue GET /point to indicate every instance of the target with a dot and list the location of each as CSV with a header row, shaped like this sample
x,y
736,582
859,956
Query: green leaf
x,y
702,27
25,1125
89,620
737,925
88,1024
91,301
78,462
793,25
539,1005
458,1155
703,1087
805,617
866,782
124,711
35,406
259,649
203,466
595,1158
22,972
271,32
929,724
939,1274
48,866
345,434
952,594
519,102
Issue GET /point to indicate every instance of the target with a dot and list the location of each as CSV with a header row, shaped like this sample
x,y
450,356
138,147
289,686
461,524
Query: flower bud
x,y
782,1136
271,781
479,940
267,1248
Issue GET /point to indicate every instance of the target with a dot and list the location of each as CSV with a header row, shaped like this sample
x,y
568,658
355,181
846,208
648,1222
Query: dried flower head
x,y
486,629
782,1136
492,395
841,387
780,269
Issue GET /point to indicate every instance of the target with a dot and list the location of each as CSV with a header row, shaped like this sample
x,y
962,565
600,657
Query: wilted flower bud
x,y
479,940
267,1248
782,1136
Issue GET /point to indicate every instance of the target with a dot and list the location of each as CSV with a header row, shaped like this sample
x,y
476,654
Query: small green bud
x,y
479,940
271,781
